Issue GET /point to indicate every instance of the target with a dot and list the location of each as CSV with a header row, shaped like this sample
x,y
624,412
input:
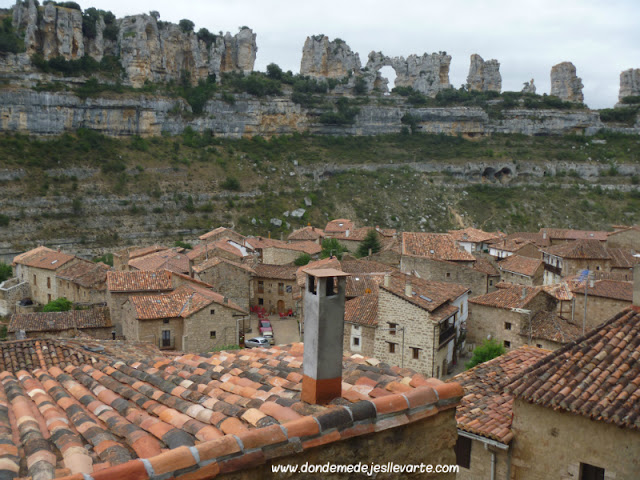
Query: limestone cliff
x,y
565,84
322,58
529,87
629,83
484,76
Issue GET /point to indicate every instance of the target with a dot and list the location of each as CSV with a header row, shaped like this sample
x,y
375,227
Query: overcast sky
x,y
600,37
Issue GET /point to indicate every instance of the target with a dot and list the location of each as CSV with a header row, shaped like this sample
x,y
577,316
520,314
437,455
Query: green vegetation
x,y
109,66
10,42
231,183
4,220
370,242
59,305
89,19
107,259
5,272
345,114
71,5
185,245
255,83
186,25
626,115
485,352
631,99
302,260
225,347
332,248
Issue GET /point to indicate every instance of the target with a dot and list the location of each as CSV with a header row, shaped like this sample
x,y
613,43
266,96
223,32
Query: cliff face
x,y
629,83
565,84
322,58
484,76
148,50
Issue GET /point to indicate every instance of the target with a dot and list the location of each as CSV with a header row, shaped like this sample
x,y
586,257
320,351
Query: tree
x,y
186,25
303,259
331,246
5,272
59,305
370,242
155,14
274,71
485,352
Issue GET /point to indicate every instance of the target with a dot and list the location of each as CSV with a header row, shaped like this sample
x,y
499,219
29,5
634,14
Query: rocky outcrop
x,y
565,84
529,87
322,58
484,76
629,83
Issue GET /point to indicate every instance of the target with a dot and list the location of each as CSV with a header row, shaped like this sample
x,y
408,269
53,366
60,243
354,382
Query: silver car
x,y
256,342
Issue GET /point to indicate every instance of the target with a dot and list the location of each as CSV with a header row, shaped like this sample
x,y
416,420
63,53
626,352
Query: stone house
x,y
507,246
121,258
275,288
94,322
221,233
435,246
278,252
307,234
473,239
39,267
504,315
587,390
190,318
351,239
416,323
485,438
12,291
558,236
521,270
605,298
338,226
222,248
173,259
627,238
230,279
83,282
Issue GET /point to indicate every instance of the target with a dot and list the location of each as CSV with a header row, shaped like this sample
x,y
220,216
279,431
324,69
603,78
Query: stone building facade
x,y
275,289
231,279
628,238
605,298
83,283
12,291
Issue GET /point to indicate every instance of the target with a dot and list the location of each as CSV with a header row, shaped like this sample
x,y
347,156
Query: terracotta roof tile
x,y
215,261
508,296
365,267
569,234
511,244
356,235
426,294
599,374
136,252
43,257
54,321
472,235
483,265
358,285
306,233
86,274
331,262
581,249
605,289
520,265
362,310
338,225
218,232
139,281
486,409
550,326
166,259
622,258
434,245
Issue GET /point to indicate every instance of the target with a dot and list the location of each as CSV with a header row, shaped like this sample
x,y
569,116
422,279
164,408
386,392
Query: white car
x,y
256,342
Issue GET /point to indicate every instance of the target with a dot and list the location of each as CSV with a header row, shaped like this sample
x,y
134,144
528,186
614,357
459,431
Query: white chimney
x,y
346,233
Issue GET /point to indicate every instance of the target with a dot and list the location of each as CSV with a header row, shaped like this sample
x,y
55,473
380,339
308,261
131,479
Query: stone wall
x,y
480,464
79,294
546,445
230,281
271,295
367,336
599,309
44,287
198,328
629,83
629,239
322,58
11,291
279,256
510,277
104,333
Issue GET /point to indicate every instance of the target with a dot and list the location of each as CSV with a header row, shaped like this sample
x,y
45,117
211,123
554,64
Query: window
x,y
539,345
213,311
507,344
448,275
491,283
392,328
166,320
35,280
590,472
261,301
416,353
48,282
392,347
212,334
463,452
260,286
356,341
507,325
48,297
280,288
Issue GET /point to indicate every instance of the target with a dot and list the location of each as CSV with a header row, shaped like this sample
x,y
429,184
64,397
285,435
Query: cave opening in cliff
x,y
390,74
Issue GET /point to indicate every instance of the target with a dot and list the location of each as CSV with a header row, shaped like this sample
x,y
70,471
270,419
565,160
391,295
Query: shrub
x,y
59,305
485,352
303,259
360,87
626,115
345,115
631,99
274,71
5,271
9,41
185,245
206,36
331,246
231,183
4,220
186,25
370,242
107,258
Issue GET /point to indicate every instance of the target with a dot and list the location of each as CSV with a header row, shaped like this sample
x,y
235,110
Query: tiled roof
x,y
355,235
387,232
219,231
54,321
306,246
365,267
426,294
306,233
472,235
581,249
511,244
622,228
486,409
43,257
536,238
86,274
165,259
182,302
605,289
142,251
330,262
568,234
596,376
228,247
362,310
511,296
559,291
358,285
195,415
338,225
550,326
280,272
521,265
483,265
139,281
622,258
434,245
214,261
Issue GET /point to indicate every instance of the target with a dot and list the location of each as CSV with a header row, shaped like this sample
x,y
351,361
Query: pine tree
x,y
370,242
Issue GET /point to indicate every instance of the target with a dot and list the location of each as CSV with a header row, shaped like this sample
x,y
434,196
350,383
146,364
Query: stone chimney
x,y
636,287
524,293
323,335
387,280
225,300
407,289
346,233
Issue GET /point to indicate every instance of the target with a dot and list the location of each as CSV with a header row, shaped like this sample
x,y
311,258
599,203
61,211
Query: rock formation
x,y
565,84
484,76
149,50
322,58
629,83
529,87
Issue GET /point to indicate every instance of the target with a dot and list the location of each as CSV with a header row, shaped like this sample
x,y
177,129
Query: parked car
x,y
256,342
267,332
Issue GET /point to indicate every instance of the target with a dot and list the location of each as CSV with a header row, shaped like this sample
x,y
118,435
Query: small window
x,y
213,311
48,282
392,328
260,286
507,344
48,297
166,320
392,347
280,288
35,280
507,325
212,334
491,283
448,275
416,353
590,472
261,301
356,341
539,345
356,327
463,452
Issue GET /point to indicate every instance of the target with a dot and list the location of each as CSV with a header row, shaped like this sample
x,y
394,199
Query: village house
x,y
278,252
485,415
473,239
190,318
351,239
93,322
510,314
307,234
173,259
275,288
13,291
408,321
121,258
605,298
338,226
521,270
513,245
627,238
231,279
575,411
39,267
222,233
83,282
558,236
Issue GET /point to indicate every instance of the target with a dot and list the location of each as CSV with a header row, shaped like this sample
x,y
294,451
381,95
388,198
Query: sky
x,y
600,37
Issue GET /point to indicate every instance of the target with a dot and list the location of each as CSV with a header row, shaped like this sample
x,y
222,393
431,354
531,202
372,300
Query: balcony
x,y
447,335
